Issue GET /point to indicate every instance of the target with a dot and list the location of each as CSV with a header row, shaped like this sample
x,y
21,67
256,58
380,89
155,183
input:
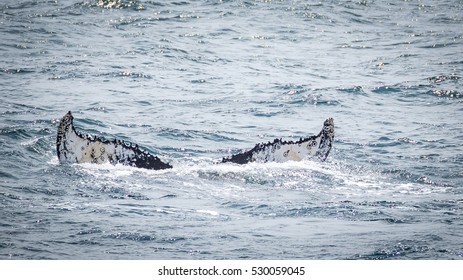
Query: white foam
x,y
210,212
29,142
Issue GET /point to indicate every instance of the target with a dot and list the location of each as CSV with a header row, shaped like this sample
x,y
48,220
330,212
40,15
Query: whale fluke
x,y
318,146
74,147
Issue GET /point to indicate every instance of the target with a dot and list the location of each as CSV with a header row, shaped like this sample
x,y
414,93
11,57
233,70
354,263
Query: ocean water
x,y
193,81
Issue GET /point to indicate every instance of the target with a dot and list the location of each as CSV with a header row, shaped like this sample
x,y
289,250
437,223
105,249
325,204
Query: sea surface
x,y
193,81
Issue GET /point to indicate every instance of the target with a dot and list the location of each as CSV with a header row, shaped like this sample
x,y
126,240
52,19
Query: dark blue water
x,y
192,81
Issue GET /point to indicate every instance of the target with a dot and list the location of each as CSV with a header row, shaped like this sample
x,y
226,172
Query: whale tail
x,y
318,146
74,147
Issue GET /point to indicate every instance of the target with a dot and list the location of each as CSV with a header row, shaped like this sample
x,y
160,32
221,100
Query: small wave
x,y
134,236
116,4
4,174
429,246
445,93
387,89
126,74
209,212
18,71
442,78
353,90
16,133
